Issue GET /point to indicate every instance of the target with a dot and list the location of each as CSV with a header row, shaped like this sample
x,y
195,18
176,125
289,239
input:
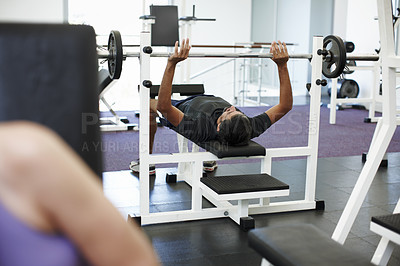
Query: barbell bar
x,y
105,55
365,57
252,45
333,52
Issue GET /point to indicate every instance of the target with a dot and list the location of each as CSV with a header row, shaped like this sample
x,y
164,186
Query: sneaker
x,y
135,167
209,166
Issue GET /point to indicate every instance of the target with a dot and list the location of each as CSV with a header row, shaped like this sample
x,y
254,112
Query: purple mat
x,y
349,136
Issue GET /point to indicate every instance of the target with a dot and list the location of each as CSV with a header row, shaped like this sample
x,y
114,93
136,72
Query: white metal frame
x,y
115,122
372,100
387,243
386,125
244,69
194,162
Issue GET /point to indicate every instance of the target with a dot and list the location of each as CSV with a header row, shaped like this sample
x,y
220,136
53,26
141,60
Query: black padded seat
x,y
301,244
104,79
49,75
215,147
223,151
391,221
243,183
182,89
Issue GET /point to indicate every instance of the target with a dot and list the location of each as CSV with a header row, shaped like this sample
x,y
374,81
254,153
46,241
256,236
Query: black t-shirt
x,y
201,113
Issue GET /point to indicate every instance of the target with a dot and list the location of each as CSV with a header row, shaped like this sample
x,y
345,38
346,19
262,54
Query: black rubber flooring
x,y
221,242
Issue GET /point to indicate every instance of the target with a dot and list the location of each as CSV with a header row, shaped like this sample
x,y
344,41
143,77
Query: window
x,y
121,15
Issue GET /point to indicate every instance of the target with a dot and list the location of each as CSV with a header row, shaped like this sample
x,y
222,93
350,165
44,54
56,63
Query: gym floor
x,y
221,242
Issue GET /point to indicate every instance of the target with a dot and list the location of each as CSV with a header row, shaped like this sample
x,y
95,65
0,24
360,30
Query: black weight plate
x,y
349,46
115,54
349,89
334,63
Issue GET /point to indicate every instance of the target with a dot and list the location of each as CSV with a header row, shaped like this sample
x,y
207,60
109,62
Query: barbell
x,y
333,53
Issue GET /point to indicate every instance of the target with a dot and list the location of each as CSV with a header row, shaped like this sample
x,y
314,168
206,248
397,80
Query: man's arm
x,y
170,112
49,187
280,57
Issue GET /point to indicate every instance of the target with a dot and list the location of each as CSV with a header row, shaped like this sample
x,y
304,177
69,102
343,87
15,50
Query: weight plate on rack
x,y
335,61
349,89
115,54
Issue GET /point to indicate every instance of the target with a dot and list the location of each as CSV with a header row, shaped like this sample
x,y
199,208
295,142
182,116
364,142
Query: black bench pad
x,y
243,183
222,150
104,79
215,147
391,221
302,244
48,75
182,89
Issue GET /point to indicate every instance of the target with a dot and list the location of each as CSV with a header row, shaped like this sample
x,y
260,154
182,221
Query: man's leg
x,y
153,122
134,165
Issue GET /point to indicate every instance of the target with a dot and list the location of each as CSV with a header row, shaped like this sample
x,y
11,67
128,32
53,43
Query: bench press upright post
x,y
197,169
375,91
144,133
383,134
314,119
333,103
183,167
266,168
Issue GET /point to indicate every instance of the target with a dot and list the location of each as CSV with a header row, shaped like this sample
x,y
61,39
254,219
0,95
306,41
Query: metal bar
x,y
233,46
268,43
314,121
332,113
125,45
228,55
352,100
284,206
250,45
383,137
362,57
368,57
144,135
105,55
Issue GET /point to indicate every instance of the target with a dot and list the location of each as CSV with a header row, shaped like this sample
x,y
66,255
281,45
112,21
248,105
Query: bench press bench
x,y
190,167
305,244
242,188
225,188
233,196
301,244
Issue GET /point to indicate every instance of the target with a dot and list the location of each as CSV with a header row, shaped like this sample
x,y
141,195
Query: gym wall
x,y
362,14
296,22
232,25
47,11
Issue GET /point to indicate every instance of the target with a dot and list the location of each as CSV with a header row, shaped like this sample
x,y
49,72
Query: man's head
x,y
234,127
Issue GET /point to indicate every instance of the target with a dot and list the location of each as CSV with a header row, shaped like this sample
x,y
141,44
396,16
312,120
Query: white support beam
x,y
384,132
314,120
144,132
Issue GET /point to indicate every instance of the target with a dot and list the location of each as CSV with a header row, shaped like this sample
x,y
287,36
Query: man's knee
x,y
25,144
153,106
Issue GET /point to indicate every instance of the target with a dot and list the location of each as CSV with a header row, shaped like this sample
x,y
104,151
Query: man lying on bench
x,y
203,118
